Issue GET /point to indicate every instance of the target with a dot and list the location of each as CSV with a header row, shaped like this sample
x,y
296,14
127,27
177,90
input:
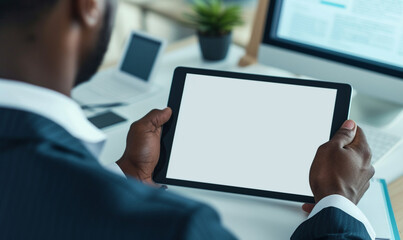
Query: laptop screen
x,y
140,57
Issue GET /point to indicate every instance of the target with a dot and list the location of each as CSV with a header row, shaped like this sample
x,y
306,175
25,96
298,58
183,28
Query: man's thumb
x,y
346,133
159,117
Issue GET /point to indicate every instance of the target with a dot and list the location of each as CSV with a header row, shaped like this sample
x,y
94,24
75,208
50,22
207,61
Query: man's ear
x,y
88,12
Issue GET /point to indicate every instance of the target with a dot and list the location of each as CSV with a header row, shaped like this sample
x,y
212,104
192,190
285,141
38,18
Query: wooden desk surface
x,y
396,195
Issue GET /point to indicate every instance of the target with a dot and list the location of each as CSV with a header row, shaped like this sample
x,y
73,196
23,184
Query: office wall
x,y
128,18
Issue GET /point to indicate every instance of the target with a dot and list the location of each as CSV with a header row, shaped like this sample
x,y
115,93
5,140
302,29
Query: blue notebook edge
x,y
392,219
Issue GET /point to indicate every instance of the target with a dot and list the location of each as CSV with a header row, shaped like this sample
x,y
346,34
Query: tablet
x,y
248,134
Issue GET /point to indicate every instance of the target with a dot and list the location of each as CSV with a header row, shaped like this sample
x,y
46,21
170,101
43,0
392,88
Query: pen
x,y
106,105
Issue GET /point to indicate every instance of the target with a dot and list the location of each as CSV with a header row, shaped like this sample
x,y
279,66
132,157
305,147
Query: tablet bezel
x,y
341,114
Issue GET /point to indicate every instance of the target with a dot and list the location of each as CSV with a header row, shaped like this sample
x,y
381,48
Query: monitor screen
x,y
140,57
363,33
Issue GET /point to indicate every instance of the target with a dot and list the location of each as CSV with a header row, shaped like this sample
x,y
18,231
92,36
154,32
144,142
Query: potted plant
x,y
214,23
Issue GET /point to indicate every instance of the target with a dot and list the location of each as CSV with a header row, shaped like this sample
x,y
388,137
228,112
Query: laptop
x,y
132,80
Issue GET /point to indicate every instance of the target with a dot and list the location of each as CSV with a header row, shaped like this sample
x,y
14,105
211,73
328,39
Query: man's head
x,y
54,43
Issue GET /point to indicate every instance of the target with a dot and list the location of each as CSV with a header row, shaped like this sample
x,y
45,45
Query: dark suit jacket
x,y
52,188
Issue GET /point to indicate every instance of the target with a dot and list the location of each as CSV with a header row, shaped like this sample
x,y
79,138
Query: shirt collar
x,y
55,107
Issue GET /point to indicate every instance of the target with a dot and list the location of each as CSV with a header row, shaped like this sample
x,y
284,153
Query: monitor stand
x,y
375,112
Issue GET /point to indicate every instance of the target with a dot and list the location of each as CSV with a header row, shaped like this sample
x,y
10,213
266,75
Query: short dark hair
x,y
23,11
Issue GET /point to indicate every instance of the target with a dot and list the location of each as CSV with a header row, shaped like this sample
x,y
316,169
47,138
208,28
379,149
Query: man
x,y
51,184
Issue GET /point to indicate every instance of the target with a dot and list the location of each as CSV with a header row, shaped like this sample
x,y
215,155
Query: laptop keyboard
x,y
381,142
118,91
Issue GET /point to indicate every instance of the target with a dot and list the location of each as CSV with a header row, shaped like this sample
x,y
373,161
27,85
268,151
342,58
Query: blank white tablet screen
x,y
250,134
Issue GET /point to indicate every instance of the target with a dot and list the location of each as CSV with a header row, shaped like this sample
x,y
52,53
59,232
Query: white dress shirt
x,y
57,108
68,114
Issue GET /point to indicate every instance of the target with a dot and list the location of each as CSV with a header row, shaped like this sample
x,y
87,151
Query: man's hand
x,y
143,146
342,166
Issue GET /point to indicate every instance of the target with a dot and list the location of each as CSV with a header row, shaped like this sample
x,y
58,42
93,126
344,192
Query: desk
x,y
396,195
248,217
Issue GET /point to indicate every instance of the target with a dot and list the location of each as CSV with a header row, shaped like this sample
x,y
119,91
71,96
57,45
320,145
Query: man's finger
x,y
158,117
346,133
308,207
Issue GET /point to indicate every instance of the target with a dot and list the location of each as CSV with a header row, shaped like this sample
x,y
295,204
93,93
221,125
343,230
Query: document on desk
x,y
377,207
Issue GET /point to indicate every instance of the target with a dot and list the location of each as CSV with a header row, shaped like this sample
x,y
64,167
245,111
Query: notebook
x,y
377,207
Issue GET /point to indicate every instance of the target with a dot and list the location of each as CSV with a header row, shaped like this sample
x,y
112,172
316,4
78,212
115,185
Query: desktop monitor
x,y
359,42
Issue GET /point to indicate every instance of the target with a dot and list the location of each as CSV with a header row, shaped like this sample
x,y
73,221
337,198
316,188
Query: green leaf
x,y
212,17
